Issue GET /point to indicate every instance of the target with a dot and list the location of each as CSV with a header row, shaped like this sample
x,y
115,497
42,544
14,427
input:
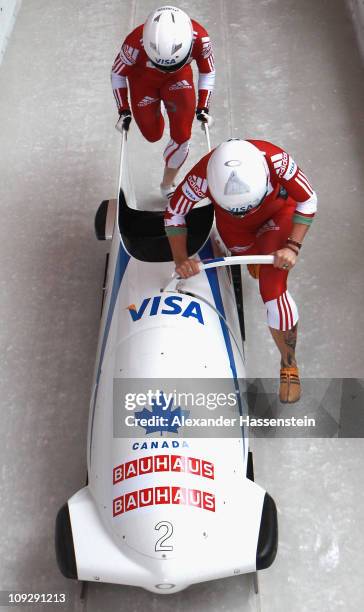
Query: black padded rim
x,y
268,534
65,550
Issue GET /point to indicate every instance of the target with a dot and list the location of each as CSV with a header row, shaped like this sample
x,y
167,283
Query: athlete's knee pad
x,y
175,154
282,312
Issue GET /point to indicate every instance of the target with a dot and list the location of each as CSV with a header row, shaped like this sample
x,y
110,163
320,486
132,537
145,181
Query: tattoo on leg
x,y
290,340
286,344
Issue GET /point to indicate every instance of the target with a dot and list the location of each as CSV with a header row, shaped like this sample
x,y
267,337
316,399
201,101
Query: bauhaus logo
x,y
163,463
163,495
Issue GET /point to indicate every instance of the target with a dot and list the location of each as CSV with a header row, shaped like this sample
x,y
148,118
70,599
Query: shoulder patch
x,y
128,54
291,169
280,163
206,49
198,185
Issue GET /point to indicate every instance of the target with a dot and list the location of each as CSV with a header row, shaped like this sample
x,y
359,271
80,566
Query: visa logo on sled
x,y
170,305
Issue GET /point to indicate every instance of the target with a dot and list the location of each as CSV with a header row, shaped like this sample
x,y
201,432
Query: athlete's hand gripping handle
x,y
218,262
124,120
202,114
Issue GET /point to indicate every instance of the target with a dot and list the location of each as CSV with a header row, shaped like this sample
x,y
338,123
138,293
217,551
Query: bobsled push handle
x,y
124,134
207,134
220,262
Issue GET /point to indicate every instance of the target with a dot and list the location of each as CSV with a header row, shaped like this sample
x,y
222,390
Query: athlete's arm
x,y
298,187
287,256
191,190
204,57
122,66
185,267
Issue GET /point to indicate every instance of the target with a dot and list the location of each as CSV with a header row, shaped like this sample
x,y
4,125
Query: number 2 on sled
x,y
160,545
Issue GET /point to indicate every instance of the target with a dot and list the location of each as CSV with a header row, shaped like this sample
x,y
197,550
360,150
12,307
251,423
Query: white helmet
x,y
167,38
237,176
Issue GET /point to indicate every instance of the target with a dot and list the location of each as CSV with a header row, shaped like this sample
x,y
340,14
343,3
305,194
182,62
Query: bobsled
x,y
166,504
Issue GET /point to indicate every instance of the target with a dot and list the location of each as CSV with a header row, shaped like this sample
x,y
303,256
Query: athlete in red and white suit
x,y
148,85
286,212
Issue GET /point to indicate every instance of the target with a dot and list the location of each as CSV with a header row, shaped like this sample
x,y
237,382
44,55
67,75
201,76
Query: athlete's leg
x,y
146,108
281,309
178,95
286,342
282,313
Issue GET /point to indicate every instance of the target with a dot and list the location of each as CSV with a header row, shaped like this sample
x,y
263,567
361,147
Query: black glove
x,y
201,114
124,120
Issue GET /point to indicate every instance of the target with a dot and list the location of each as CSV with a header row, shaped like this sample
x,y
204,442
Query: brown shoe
x,y
253,270
290,387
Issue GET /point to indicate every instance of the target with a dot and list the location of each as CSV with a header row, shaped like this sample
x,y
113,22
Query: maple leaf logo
x,y
164,416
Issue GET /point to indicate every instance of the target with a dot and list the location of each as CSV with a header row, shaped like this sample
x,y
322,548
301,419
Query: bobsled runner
x,y
164,506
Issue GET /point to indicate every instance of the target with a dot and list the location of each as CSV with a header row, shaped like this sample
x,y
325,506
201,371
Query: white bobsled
x,y
165,508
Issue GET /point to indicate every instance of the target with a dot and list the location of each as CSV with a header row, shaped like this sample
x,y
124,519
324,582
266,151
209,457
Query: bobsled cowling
x,y
163,511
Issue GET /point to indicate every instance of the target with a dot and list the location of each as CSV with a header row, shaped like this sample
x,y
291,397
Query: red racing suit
x,y
263,230
149,85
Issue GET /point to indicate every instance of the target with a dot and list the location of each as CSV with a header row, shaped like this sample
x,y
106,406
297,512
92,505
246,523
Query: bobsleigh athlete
x,y
154,64
263,204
